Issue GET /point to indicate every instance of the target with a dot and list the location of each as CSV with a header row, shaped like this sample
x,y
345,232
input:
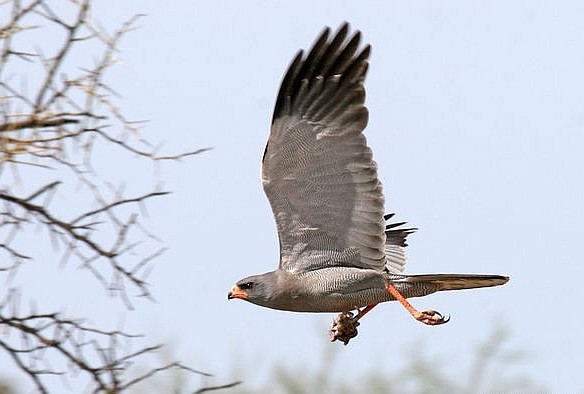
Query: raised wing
x,y
318,172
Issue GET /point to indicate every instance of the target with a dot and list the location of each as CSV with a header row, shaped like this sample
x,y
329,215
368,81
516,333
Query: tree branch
x,y
34,123
54,126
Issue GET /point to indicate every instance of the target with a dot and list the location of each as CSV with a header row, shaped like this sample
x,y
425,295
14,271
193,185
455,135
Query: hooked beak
x,y
236,292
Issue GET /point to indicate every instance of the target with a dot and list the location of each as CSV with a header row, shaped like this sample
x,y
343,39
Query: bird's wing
x,y
318,171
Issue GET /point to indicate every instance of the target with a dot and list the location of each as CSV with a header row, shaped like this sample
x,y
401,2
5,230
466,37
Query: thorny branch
x,y
56,125
81,346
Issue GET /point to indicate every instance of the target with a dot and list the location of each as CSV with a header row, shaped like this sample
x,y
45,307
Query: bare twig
x,y
213,388
36,123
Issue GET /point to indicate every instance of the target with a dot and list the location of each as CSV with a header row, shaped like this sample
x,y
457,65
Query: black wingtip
x,y
329,55
395,235
343,28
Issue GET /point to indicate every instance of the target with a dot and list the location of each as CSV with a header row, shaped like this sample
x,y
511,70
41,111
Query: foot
x,y
344,327
430,317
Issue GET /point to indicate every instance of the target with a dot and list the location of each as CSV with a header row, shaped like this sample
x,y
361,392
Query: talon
x,y
344,327
431,318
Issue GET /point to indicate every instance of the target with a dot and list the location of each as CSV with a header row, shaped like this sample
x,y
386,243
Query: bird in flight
x,y
338,251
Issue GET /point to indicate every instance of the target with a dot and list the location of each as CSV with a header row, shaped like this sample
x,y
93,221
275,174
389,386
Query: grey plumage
x,y
337,252
317,170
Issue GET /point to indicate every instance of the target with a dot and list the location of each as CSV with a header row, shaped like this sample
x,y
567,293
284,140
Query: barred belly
x,y
342,289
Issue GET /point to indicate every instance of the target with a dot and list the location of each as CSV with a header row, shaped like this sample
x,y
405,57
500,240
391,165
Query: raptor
x,y
338,251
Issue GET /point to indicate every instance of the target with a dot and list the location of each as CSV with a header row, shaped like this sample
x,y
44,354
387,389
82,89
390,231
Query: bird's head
x,y
257,289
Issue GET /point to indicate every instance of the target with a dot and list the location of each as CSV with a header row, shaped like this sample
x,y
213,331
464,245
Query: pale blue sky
x,y
476,122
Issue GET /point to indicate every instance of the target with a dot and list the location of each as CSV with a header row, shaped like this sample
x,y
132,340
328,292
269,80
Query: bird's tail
x,y
458,281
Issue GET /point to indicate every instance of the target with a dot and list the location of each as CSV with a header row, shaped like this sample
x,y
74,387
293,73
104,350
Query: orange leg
x,y
363,311
429,317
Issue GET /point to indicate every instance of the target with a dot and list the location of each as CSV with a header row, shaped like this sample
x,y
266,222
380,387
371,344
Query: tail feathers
x,y
459,281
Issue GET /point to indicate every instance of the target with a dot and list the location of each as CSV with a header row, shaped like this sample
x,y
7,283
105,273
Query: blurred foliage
x,y
493,370
5,387
495,367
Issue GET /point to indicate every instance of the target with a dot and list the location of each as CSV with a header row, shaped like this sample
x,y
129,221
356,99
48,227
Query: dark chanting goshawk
x,y
338,253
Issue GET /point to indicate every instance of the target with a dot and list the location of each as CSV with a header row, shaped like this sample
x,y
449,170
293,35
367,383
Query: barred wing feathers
x,y
317,170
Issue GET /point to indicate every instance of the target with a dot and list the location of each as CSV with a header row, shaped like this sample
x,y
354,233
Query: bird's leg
x,y
363,311
429,317
345,325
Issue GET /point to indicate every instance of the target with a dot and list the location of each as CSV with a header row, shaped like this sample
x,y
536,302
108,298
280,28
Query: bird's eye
x,y
246,286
